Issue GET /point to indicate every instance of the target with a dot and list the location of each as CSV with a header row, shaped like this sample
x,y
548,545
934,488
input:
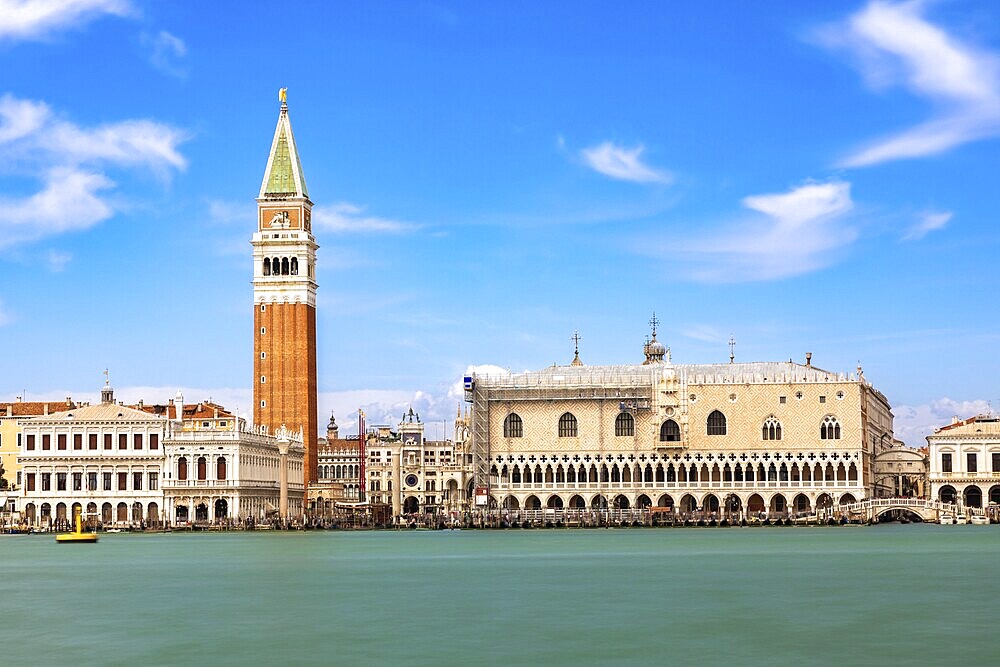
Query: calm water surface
x,y
918,594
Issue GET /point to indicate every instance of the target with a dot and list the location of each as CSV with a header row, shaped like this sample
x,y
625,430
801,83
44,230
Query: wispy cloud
x,y
793,232
913,423
929,221
33,19
623,164
58,260
223,212
344,217
70,161
704,333
894,44
166,52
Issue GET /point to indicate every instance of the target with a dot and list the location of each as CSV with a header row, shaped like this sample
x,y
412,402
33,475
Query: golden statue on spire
x,y
283,95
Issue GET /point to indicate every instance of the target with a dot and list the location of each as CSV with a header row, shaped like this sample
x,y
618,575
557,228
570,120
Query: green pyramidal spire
x,y
283,177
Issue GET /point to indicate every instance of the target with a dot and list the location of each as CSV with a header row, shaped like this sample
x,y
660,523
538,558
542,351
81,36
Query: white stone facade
x,y
104,460
965,462
744,438
229,476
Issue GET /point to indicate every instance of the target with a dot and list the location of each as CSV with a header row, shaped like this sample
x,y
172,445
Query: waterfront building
x,y
724,439
11,416
219,469
284,297
965,461
416,475
105,460
901,472
339,469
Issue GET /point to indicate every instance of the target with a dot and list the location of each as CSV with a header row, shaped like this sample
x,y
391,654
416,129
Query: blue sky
x,y
490,177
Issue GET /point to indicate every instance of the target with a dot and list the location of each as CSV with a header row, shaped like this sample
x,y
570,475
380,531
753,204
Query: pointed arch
x,y
513,426
567,425
624,424
670,431
716,423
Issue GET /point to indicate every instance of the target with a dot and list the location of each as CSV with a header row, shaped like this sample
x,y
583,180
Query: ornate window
x,y
567,426
182,469
716,423
513,427
771,429
830,428
624,424
671,432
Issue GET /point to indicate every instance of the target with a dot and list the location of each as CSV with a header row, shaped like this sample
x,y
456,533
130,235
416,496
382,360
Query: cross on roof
x,y
732,348
653,323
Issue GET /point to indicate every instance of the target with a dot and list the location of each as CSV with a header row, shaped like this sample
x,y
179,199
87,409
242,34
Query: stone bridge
x,y
928,510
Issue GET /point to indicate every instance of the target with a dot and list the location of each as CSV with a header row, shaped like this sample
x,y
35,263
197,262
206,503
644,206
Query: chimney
x,y
140,404
69,402
954,419
10,410
809,359
45,409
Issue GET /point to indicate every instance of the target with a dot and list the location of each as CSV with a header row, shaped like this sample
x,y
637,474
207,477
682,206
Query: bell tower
x,y
284,296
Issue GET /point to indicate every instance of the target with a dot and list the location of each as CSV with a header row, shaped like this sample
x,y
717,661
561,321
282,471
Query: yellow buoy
x,y
78,535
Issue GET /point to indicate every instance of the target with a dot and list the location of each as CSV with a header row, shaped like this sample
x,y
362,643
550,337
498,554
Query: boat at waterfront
x,y
77,535
979,520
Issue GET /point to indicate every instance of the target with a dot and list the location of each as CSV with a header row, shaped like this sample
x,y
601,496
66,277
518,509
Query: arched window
x,y
624,424
267,266
275,266
295,266
830,428
716,423
220,468
284,266
567,426
771,429
182,468
202,467
513,427
671,432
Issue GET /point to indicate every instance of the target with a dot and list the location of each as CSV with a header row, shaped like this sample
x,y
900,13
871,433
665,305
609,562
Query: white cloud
x,y
57,260
623,164
704,333
165,52
345,217
224,212
31,19
913,423
21,118
796,232
929,221
895,45
69,201
70,161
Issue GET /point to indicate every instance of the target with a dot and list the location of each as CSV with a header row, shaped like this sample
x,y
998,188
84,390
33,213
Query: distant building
x,y
901,472
416,475
338,461
144,465
965,461
218,469
736,438
11,416
105,460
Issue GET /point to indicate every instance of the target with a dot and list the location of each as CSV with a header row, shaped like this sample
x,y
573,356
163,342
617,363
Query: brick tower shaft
x,y
284,290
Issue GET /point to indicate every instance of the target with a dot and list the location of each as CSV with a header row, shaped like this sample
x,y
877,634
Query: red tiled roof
x,y
34,408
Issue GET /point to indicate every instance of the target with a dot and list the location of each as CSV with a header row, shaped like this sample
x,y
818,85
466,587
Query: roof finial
x,y
107,378
732,348
283,96
576,349
653,322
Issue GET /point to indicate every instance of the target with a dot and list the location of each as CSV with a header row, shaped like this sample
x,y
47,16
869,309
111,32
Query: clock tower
x,y
284,296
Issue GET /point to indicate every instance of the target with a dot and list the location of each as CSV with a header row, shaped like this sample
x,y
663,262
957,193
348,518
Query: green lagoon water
x,y
918,594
